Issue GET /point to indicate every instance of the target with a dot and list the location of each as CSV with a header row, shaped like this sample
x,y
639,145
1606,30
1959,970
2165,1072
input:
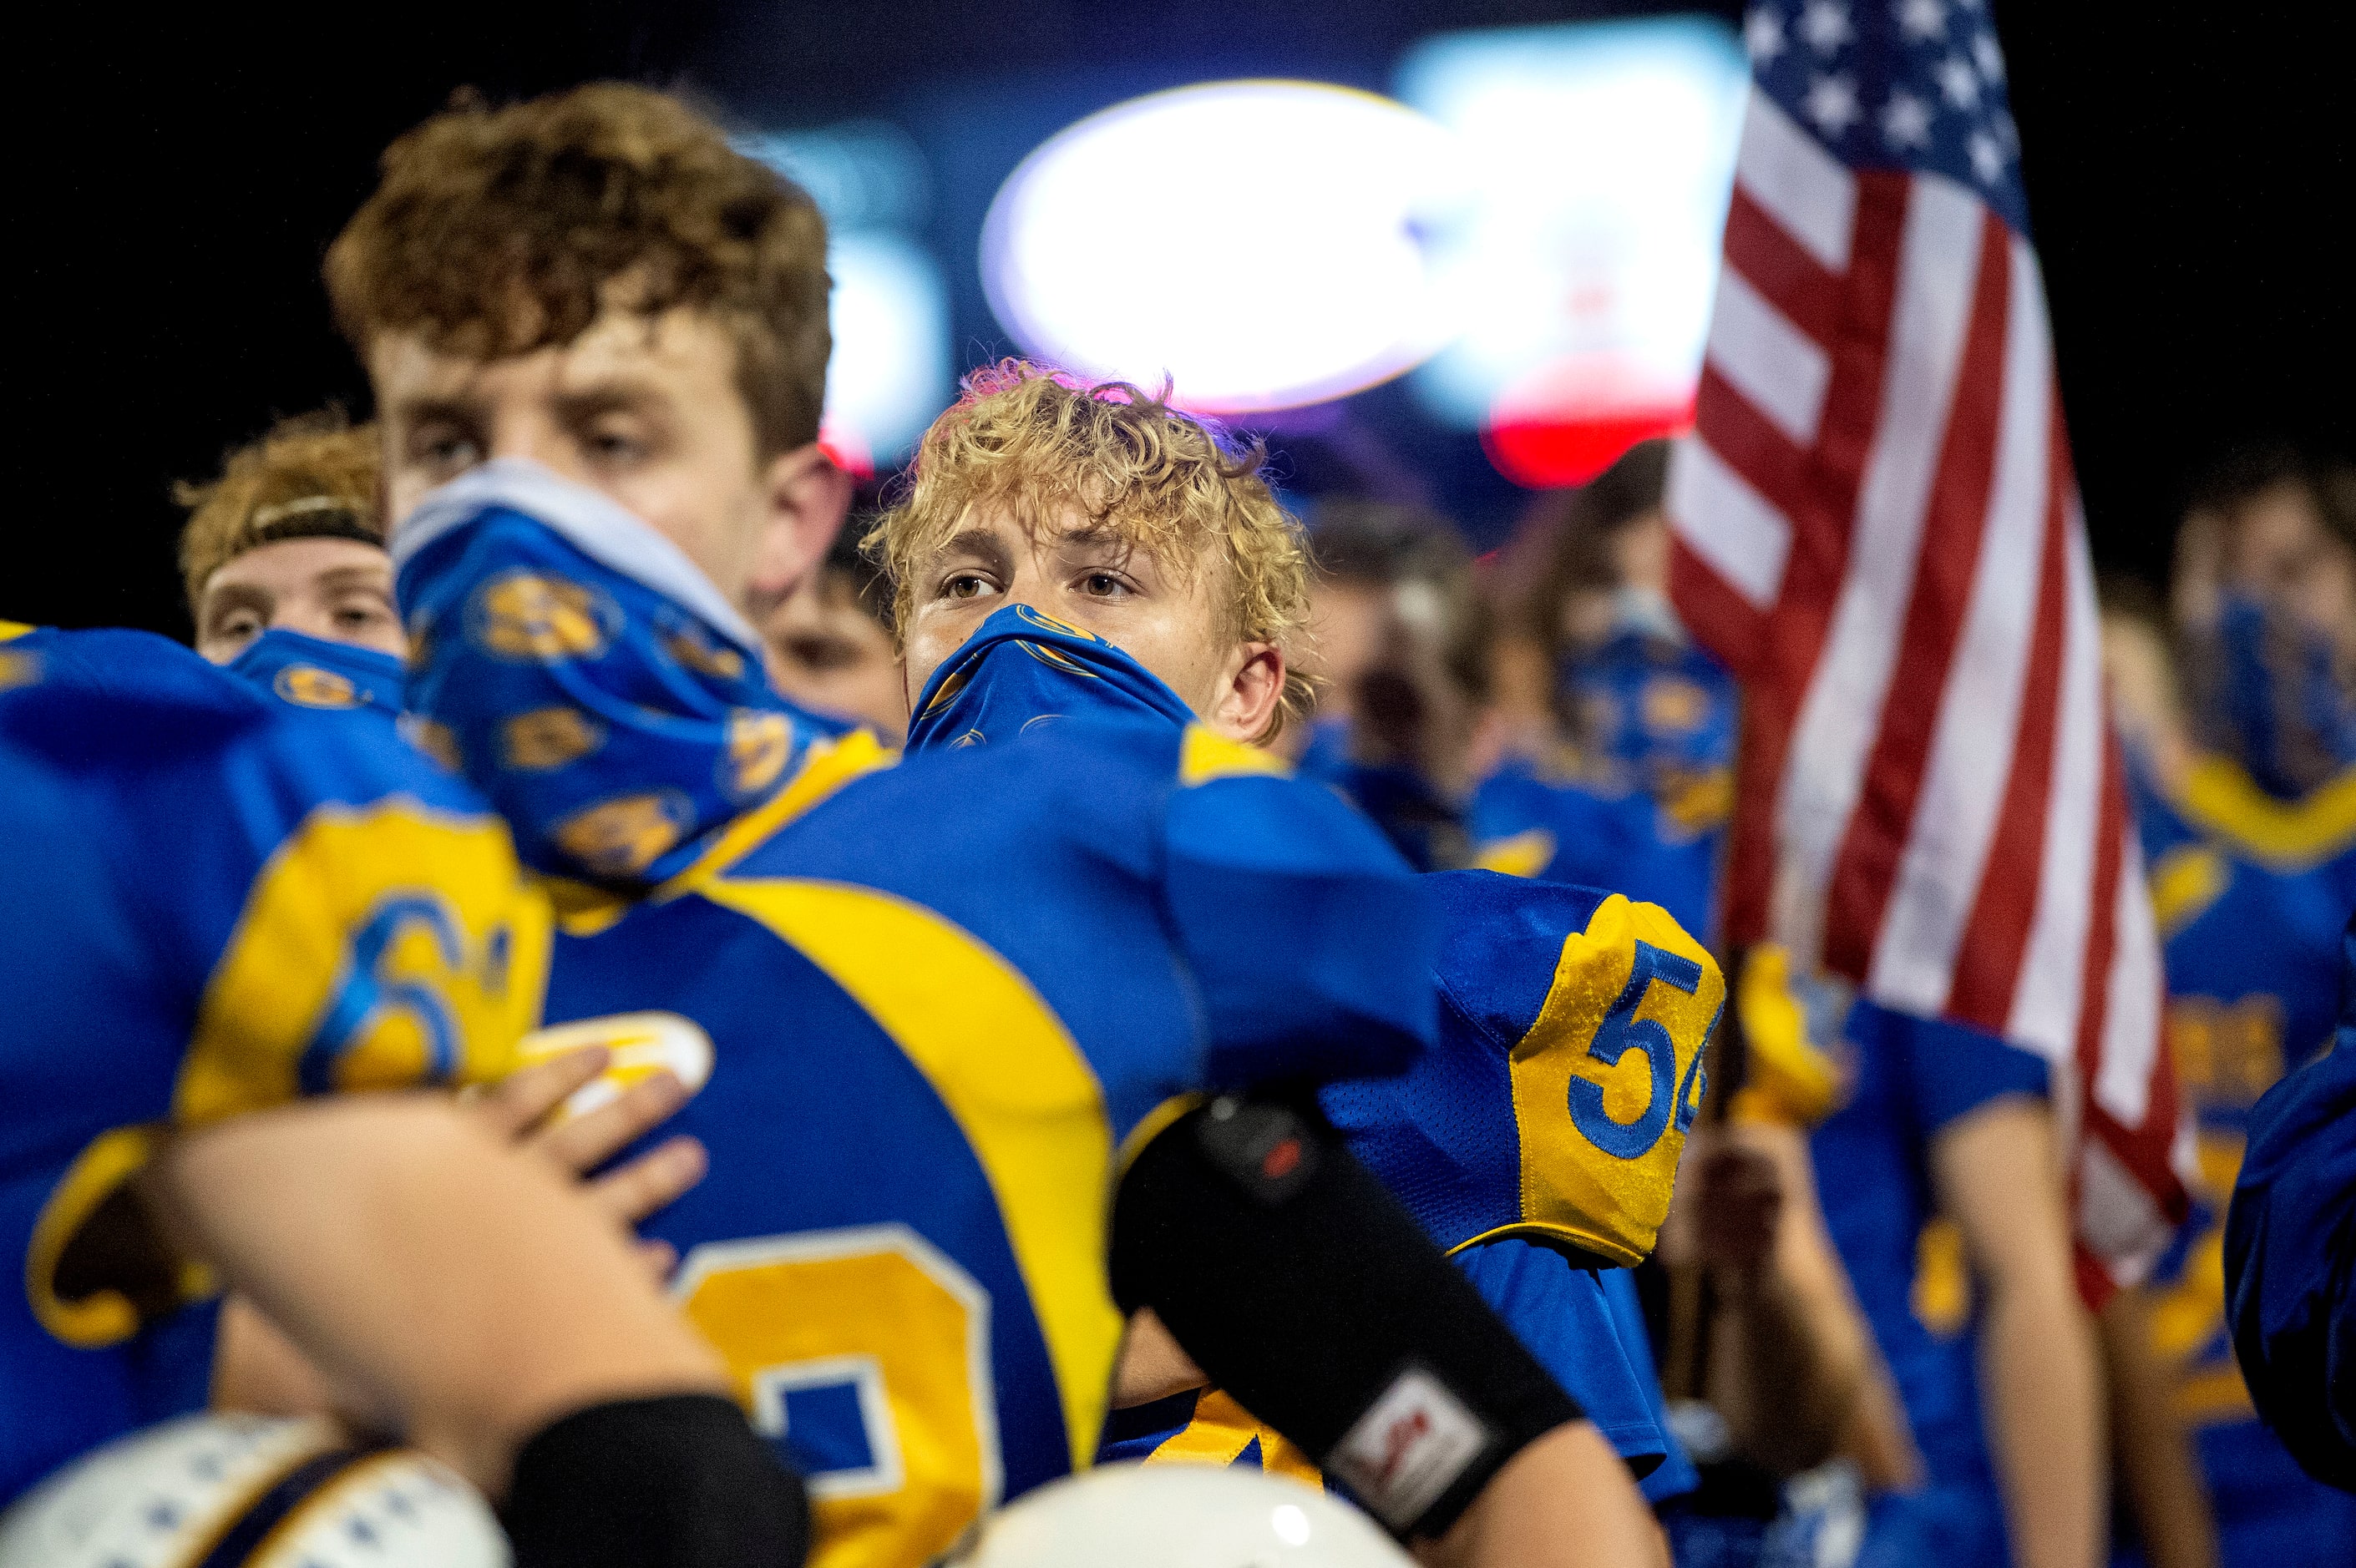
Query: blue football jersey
x,y
2252,953
212,904
1911,1078
939,999
1560,825
938,996
1537,1139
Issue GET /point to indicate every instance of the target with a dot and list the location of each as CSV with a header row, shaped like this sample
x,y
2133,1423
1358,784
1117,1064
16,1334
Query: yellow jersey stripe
x,y
1007,1070
2289,835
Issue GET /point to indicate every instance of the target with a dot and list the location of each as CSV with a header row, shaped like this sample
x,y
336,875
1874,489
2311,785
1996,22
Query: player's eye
x,y
964,585
363,613
614,444
239,623
446,451
1105,585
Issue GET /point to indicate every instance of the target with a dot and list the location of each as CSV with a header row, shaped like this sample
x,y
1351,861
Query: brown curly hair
x,y
1038,440
312,476
500,231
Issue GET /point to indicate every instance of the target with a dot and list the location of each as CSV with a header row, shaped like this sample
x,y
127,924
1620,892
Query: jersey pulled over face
x,y
1544,1127
938,996
213,902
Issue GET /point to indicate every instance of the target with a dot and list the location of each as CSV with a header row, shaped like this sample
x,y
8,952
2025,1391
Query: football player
x,y
215,906
2251,896
948,1002
1068,553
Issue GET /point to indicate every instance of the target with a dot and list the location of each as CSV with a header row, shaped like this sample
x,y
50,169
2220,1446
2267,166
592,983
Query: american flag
x,y
1879,530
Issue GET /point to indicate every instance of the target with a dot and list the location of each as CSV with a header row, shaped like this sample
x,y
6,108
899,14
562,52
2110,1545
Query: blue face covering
x,y
576,667
1021,669
310,672
2275,706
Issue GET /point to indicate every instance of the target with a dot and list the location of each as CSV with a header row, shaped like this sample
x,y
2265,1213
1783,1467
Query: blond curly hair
x,y
312,476
1038,440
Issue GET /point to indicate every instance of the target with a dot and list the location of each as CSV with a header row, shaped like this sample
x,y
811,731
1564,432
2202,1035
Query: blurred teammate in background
x,y
2264,600
215,906
290,538
1142,564
600,379
1625,773
830,646
1397,652
2251,908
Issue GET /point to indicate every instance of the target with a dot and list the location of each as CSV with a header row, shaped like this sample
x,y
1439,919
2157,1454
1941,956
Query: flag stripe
x,y
1744,538
1777,367
2046,1000
1835,730
1945,561
1987,969
1811,195
1782,270
1971,762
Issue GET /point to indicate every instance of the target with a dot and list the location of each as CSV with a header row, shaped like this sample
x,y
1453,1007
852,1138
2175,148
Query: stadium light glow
x,y
1259,242
1580,271
889,372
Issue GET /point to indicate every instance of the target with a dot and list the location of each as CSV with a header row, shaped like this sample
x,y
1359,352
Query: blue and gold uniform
x,y
1537,1140
940,995
2252,897
1643,807
1911,1079
211,903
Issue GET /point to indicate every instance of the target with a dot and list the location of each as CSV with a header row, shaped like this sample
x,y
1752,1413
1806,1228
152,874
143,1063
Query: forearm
x,y
1565,1501
1790,1355
2038,1365
2164,1491
351,1224
1998,1170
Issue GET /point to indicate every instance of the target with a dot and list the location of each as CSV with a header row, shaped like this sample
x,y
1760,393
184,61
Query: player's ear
x,y
1248,698
804,500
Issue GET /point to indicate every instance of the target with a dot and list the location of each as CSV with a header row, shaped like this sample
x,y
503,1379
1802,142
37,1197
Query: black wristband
x,y
675,1481
1301,1286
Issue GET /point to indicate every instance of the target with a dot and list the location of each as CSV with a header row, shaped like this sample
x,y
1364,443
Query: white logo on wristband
x,y
1408,1448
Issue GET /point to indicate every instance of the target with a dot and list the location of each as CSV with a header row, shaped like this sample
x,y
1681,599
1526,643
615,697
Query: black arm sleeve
x,y
678,1481
1283,1267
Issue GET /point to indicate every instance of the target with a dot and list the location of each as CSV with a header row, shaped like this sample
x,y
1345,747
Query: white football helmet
x,y
1179,1516
244,1491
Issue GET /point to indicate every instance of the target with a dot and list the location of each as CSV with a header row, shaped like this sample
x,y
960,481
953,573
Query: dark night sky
x,y
175,192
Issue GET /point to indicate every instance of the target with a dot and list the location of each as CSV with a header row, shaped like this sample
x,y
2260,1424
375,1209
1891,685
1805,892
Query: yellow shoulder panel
x,y
2221,797
2185,881
11,630
1005,1067
829,766
1523,855
1220,1432
1207,756
1607,1078
382,946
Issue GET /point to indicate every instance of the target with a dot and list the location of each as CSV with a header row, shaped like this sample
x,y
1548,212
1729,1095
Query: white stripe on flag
x,y
1774,364
2046,1000
1727,523
1805,188
2131,1009
1841,716
1970,763
2118,1216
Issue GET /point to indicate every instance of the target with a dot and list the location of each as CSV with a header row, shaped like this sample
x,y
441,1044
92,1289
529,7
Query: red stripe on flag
x,y
1954,523
1742,629
1780,269
1747,443
1818,561
1995,939
2102,924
